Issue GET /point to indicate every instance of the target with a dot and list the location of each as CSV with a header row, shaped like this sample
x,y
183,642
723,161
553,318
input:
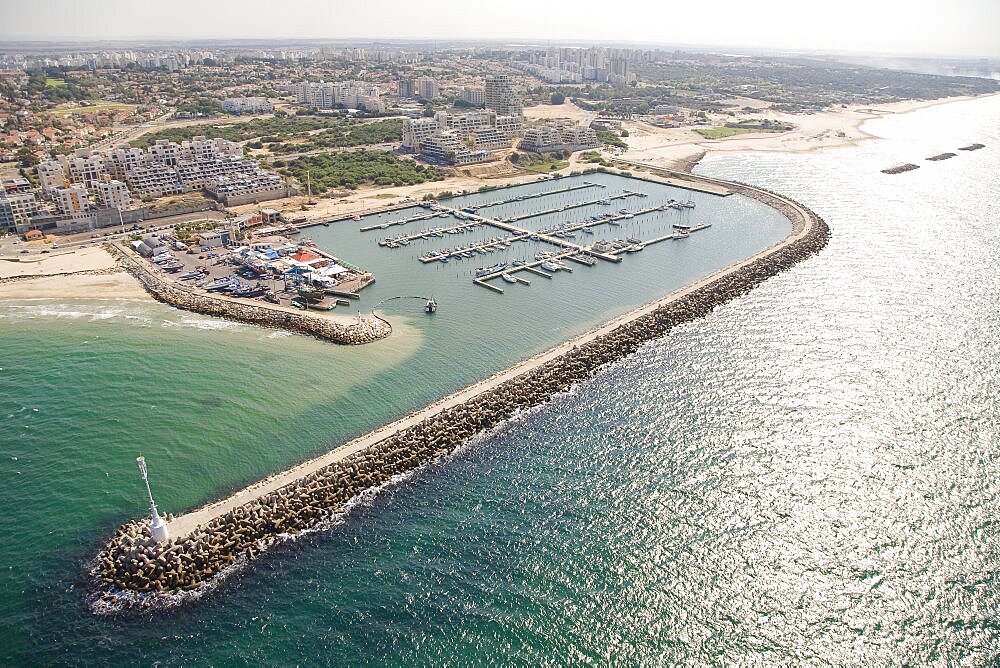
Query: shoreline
x,y
681,149
132,572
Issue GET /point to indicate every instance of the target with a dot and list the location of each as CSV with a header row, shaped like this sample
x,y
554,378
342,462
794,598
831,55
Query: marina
x,y
560,235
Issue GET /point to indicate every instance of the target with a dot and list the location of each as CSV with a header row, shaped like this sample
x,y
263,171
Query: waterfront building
x,y
16,211
448,147
71,198
416,130
86,167
51,173
247,105
247,188
554,137
500,96
153,179
113,194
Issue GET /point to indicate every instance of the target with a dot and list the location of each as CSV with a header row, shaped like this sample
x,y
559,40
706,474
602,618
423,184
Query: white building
x,y
113,194
500,95
330,95
71,199
51,173
553,137
86,169
428,88
416,130
16,210
475,96
247,105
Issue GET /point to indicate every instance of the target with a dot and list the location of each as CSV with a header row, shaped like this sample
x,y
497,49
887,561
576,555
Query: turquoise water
x,y
806,475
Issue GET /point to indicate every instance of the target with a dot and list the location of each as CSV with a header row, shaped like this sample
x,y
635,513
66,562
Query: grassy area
x,y
544,164
721,133
55,83
94,108
595,158
611,138
351,169
328,132
347,134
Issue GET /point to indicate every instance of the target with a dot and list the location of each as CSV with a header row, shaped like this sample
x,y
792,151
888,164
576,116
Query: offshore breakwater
x,y
328,329
133,572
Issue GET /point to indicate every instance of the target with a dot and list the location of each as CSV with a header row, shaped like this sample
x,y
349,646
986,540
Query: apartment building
x,y
51,173
474,96
70,199
489,139
511,126
330,95
153,179
246,188
16,210
113,194
88,168
405,88
554,137
428,88
416,130
500,95
247,105
448,147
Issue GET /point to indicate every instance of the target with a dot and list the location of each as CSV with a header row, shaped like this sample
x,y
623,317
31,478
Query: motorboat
x,y
508,278
549,265
431,306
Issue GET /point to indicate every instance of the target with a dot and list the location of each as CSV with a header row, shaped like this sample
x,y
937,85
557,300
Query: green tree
x,y
557,98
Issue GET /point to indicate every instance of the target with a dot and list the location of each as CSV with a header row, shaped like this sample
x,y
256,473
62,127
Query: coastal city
x,y
525,334
211,164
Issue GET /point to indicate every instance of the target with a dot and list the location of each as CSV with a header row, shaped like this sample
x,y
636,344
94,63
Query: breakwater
x,y
345,331
132,571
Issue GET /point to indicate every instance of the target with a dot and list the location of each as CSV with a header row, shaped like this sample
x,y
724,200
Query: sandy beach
x,y
85,273
677,148
117,285
92,258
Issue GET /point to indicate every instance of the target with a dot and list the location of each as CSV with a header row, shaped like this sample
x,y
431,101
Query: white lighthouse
x,y
157,527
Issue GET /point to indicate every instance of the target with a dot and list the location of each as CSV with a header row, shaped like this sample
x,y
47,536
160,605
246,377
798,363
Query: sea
x,y
807,475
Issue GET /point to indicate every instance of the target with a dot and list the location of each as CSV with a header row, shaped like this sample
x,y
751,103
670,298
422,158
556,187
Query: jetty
x,y
134,571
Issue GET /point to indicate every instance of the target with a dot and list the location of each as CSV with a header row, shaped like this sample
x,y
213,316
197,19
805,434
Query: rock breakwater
x,y
133,572
353,332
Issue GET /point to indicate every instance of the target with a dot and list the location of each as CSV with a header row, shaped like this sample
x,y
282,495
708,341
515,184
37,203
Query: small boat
x,y
587,230
634,249
403,241
172,267
270,297
548,265
633,240
681,234
189,275
357,217
508,278
606,202
431,306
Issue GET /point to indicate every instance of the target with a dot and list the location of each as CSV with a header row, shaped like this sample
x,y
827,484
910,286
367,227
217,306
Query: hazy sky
x,y
930,27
